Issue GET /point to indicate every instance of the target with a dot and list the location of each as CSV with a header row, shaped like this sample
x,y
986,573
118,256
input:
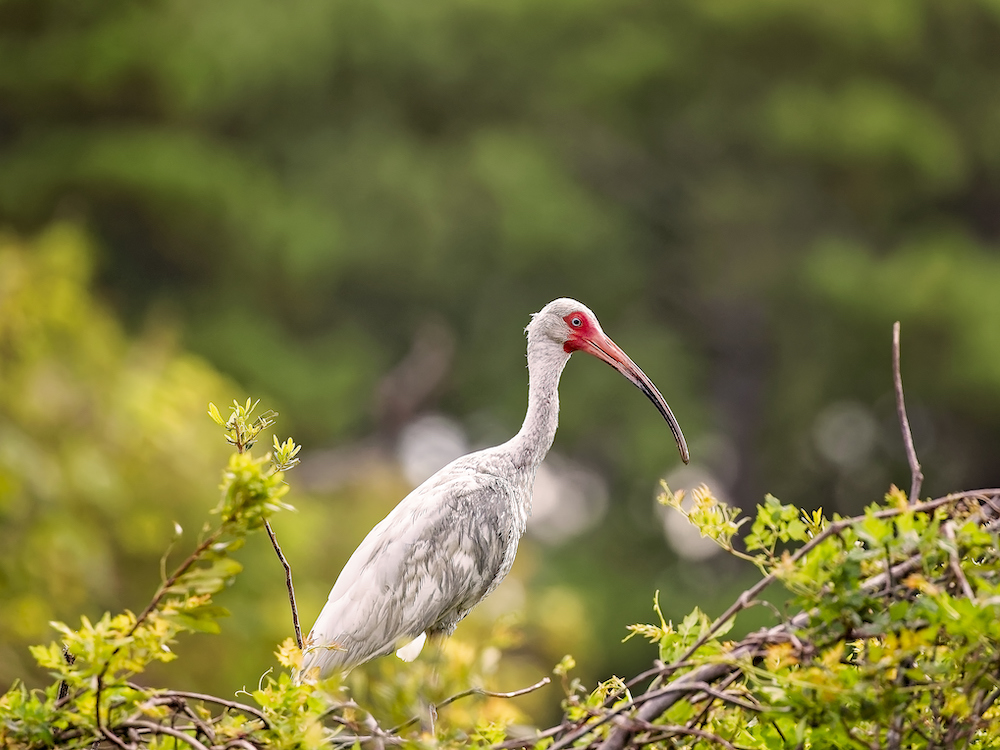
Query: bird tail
x,y
412,650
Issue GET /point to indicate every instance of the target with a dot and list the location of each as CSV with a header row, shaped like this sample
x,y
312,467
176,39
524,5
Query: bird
x,y
449,543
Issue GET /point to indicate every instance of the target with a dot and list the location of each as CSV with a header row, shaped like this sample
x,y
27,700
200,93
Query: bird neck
x,y
546,360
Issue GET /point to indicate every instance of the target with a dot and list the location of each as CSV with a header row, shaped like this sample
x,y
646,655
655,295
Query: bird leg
x,y
432,714
434,659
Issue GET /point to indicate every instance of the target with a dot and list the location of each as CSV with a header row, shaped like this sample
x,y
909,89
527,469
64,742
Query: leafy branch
x,y
95,700
893,645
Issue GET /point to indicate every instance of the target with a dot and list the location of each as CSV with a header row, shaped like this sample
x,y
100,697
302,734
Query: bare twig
x,y
167,696
378,743
916,476
288,584
708,704
196,720
948,529
169,731
492,694
97,703
114,738
170,694
473,691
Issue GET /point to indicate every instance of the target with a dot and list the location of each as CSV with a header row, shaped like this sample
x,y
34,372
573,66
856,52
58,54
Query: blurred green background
x,y
350,209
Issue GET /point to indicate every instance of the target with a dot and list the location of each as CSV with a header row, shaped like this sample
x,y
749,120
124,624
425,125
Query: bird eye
x,y
576,322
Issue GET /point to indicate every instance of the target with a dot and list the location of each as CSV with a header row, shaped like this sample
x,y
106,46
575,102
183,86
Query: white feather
x,y
412,650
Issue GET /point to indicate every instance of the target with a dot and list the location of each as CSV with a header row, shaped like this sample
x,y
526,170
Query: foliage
x,y
99,457
102,466
892,640
95,699
746,193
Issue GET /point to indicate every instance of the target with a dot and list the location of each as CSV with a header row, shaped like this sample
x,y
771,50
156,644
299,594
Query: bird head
x,y
572,325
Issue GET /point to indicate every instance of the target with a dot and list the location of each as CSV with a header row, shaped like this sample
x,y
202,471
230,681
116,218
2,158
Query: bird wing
x,y
423,567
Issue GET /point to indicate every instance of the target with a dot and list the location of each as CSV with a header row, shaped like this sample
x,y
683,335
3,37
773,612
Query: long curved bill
x,y
608,351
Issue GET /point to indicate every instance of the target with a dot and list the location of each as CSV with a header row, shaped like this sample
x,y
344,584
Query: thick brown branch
x,y
671,730
525,741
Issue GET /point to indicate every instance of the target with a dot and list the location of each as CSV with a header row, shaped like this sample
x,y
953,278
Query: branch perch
x,y
288,583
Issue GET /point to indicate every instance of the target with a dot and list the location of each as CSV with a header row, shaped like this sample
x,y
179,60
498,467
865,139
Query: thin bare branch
x,y
114,738
916,475
948,529
151,726
473,691
708,704
170,694
202,727
288,583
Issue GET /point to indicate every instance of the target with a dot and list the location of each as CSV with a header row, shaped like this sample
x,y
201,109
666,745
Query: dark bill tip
x,y
608,351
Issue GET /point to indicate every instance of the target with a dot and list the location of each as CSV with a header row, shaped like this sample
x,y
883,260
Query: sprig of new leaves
x,y
242,429
92,699
775,523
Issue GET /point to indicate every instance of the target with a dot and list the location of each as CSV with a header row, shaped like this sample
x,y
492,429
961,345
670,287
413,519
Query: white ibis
x,y
450,542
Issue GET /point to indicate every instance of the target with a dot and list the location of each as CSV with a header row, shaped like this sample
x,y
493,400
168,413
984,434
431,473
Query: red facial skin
x,y
578,334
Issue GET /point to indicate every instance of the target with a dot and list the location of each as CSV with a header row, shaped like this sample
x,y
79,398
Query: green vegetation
x,y
889,640
100,457
94,697
349,208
